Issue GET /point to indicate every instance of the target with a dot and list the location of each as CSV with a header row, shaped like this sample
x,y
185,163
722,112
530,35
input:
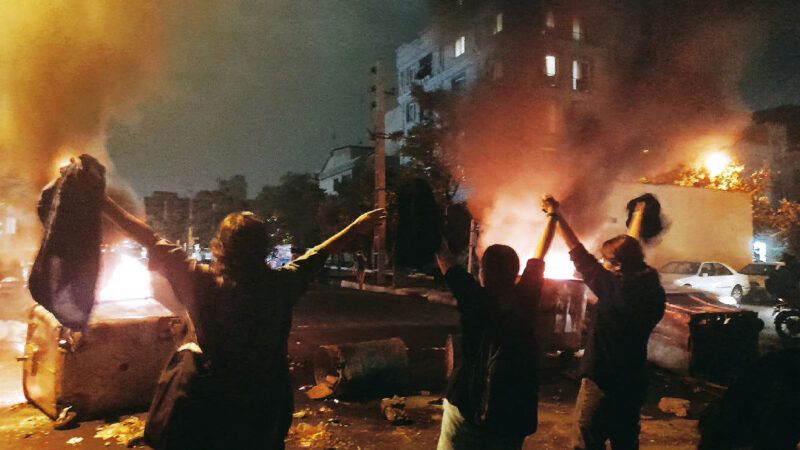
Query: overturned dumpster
x,y
110,367
701,336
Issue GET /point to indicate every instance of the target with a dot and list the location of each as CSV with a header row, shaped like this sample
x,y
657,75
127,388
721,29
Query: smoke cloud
x,y
662,88
67,69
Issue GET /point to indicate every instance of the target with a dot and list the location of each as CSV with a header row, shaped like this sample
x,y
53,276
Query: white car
x,y
710,276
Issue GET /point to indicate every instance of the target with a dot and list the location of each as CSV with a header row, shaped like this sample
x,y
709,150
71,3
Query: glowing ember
x,y
129,280
716,163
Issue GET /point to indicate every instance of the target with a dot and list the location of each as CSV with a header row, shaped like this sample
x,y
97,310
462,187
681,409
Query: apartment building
x,y
556,53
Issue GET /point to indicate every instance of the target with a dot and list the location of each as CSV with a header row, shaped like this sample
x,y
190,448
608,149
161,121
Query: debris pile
x,y
308,435
128,432
677,406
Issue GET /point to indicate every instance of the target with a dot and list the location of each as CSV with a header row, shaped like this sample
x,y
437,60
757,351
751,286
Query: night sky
x,y
261,89
266,87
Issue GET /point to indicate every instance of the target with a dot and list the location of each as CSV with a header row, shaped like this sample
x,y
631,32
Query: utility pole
x,y
379,236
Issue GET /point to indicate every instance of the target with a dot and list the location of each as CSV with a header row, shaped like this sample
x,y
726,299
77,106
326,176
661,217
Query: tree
x,y
292,207
424,145
208,208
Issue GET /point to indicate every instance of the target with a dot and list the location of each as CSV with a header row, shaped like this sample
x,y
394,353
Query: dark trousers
x,y
605,415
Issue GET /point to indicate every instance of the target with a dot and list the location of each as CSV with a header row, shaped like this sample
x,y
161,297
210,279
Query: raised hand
x,y
549,204
366,221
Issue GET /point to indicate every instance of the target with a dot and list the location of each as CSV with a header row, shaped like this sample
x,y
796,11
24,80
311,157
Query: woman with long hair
x,y
241,310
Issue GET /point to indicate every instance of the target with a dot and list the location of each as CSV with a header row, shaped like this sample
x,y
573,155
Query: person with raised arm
x,y
492,399
241,310
630,302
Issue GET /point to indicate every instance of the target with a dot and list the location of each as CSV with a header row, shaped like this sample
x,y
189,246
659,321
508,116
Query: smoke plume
x,y
662,85
67,69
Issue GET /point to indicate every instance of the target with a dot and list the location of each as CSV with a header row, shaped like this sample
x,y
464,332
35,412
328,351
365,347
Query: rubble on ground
x,y
677,406
128,432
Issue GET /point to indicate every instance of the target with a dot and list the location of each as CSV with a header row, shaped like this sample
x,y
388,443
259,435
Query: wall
x,y
704,225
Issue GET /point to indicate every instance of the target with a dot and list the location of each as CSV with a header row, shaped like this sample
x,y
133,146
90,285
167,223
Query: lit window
x,y
498,23
461,46
577,30
550,65
580,76
550,19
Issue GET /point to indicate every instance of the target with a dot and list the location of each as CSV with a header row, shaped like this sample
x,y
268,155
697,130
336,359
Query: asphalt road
x,y
328,315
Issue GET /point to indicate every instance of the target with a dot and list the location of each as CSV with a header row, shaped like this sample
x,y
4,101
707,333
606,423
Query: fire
x,y
716,163
558,266
129,280
517,221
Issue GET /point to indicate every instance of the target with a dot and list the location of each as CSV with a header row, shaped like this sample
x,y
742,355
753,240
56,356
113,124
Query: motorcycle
x,y
787,322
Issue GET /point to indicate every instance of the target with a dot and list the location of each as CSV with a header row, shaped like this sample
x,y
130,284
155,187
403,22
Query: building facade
x,y
557,54
340,164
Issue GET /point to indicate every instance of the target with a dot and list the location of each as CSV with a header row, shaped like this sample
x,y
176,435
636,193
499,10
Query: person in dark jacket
x,y
784,282
242,313
630,302
492,399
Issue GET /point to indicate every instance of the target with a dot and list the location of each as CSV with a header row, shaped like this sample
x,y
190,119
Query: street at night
x,y
417,224
332,315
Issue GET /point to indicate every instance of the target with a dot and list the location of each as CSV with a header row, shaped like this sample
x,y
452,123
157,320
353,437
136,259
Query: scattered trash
x,y
307,434
128,432
677,406
324,409
301,414
74,441
66,419
320,391
337,422
394,410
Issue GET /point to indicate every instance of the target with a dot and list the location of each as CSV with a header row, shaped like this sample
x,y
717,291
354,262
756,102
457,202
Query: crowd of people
x,y
493,398
239,393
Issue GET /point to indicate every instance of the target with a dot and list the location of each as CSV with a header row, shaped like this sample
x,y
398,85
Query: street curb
x,y
431,295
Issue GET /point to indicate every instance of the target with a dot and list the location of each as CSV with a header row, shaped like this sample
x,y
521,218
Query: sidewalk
x,y
429,294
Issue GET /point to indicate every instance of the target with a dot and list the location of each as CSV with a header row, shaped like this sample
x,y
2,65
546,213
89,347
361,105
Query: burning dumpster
x,y
114,364
561,314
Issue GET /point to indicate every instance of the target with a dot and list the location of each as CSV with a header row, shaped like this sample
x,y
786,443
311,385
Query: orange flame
x,y
517,221
129,280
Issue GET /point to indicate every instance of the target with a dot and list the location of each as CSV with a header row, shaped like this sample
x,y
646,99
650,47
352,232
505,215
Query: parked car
x,y
757,274
709,276
699,334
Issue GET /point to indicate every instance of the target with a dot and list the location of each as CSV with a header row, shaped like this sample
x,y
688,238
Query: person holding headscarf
x,y
241,310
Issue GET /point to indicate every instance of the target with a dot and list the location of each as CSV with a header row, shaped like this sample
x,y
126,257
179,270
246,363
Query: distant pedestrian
x,y
493,397
242,312
630,302
360,269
